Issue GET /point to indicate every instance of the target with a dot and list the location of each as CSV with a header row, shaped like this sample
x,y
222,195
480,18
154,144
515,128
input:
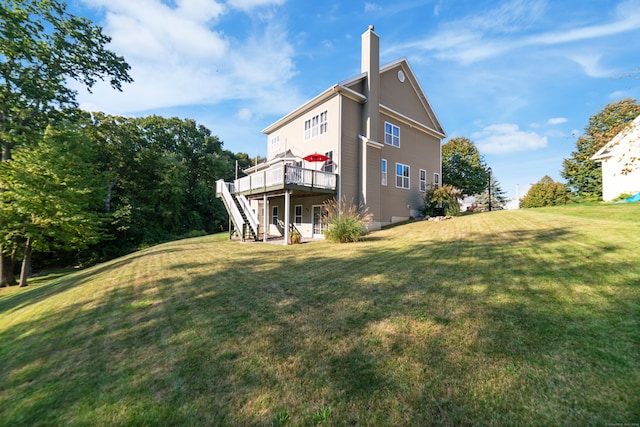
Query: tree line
x,y
95,186
79,186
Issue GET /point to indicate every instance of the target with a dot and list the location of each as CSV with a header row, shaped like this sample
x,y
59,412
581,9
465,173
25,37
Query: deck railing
x,y
283,175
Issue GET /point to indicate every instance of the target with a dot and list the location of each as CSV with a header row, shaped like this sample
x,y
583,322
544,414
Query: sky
x,y
520,78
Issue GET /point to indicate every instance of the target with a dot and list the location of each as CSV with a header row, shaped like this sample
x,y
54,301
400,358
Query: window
x,y
402,175
274,215
323,122
316,125
307,129
423,180
275,142
436,179
328,164
383,171
297,215
391,134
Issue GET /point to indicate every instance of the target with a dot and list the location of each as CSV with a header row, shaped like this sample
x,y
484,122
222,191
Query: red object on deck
x,y
316,157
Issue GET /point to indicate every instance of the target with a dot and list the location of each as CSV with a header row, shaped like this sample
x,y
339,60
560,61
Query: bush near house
x,y
438,200
347,222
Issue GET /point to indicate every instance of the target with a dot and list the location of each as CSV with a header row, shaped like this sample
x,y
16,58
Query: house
x,y
620,159
377,138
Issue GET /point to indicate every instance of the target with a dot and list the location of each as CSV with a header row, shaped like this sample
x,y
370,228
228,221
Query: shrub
x,y
346,222
546,192
295,237
443,198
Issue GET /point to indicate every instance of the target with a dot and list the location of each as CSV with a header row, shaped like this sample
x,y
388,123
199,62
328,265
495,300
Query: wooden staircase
x,y
242,220
245,231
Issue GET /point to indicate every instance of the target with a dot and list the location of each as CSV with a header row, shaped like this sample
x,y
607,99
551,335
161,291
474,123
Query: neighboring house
x,y
620,159
381,138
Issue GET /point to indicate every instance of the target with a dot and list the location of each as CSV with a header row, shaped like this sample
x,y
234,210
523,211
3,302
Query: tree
x,y
584,175
51,195
498,198
443,199
463,167
42,47
160,176
546,192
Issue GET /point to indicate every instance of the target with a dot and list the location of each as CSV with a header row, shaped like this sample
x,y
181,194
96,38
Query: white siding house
x,y
620,159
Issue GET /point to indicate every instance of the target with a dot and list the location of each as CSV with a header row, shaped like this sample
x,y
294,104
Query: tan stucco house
x,y
620,160
382,139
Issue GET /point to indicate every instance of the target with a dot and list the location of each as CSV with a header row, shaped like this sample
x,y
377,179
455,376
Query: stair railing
x,y
251,216
223,189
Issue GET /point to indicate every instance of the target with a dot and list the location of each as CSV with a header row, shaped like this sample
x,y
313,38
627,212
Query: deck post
x,y
287,219
265,218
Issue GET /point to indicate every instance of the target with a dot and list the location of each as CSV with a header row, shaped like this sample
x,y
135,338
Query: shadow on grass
x,y
446,332
35,293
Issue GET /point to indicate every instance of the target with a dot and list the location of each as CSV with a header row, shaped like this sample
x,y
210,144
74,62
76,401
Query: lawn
x,y
527,317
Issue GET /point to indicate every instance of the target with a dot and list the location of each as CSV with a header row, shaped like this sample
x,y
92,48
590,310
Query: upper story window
x,y
423,180
436,180
316,125
275,142
383,171
402,175
391,134
328,165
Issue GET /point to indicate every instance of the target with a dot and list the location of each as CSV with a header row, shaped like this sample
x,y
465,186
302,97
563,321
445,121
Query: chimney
x,y
371,66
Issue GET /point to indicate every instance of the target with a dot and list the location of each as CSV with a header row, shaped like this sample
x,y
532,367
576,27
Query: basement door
x,y
318,226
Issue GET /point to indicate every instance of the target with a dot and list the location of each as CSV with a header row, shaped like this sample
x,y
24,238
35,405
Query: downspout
x,y
339,148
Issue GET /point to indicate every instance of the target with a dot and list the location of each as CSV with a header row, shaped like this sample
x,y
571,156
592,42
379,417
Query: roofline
x,y
340,88
337,89
605,151
414,81
411,122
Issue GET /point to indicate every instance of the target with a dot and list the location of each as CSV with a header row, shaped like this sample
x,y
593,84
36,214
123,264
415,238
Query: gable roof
x,y
433,127
630,135
351,88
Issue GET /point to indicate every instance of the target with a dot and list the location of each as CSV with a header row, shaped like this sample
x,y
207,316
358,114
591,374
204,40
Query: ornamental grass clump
x,y
346,221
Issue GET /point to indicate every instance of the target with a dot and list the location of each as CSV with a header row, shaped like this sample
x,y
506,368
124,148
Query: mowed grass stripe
x,y
526,318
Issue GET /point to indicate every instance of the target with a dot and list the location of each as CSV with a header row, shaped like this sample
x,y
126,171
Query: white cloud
x,y
557,120
478,37
247,5
619,94
244,114
591,65
371,7
507,138
178,58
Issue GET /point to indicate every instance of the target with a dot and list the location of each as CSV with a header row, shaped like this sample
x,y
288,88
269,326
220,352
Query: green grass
x,y
527,317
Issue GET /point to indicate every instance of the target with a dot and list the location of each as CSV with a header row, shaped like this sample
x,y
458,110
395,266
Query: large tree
x,y
546,192
42,48
160,176
51,195
583,175
463,167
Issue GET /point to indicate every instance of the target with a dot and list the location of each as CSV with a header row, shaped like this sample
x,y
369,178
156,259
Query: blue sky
x,y
519,78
